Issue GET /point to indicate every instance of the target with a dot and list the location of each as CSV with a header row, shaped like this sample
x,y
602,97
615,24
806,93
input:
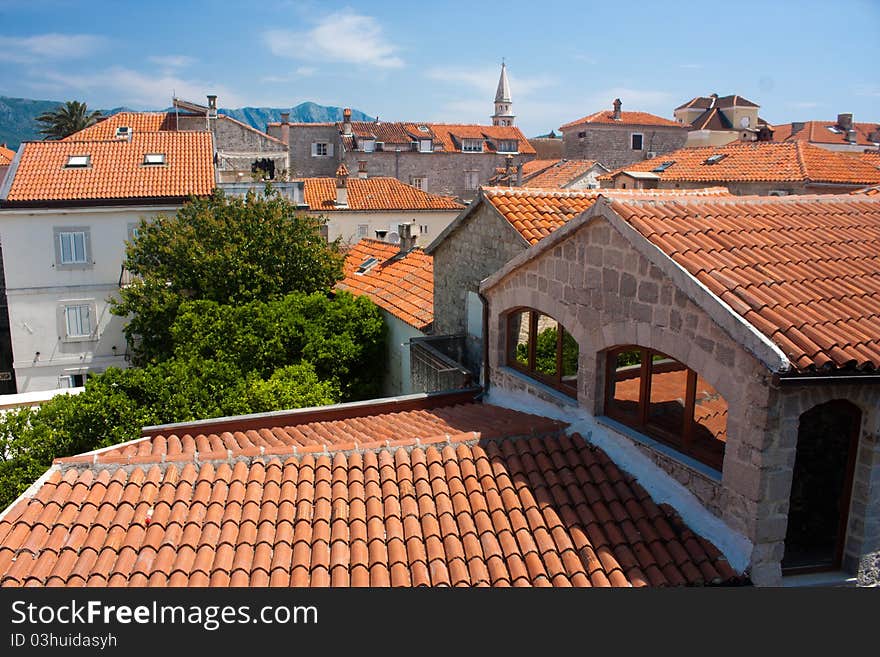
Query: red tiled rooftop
x,y
758,162
116,169
402,284
451,134
465,509
138,122
606,117
536,213
379,193
818,132
6,155
560,174
803,270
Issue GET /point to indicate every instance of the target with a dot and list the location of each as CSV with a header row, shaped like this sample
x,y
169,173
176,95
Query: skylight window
x,y
660,168
154,158
78,161
123,131
366,265
835,130
423,128
714,159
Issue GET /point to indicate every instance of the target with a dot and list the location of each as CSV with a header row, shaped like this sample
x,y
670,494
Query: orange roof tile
x,y
868,191
421,499
606,117
532,167
758,162
116,169
451,134
803,270
871,157
6,155
817,132
402,285
137,121
561,174
536,213
378,193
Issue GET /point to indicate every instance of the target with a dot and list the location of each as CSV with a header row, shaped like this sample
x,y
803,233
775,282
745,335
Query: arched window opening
x,y
663,398
541,348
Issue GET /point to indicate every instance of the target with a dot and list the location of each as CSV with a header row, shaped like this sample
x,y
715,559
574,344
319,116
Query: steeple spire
x,y
503,103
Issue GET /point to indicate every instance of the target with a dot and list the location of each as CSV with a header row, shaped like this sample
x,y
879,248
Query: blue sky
x,y
440,61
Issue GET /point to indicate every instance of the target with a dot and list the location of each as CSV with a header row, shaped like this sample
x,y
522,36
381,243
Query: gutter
x,y
793,380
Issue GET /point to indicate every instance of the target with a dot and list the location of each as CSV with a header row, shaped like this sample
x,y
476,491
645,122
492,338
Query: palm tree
x,y
66,119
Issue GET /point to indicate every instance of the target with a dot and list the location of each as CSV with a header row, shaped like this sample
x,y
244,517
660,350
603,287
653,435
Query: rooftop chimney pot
x,y
617,105
346,122
845,121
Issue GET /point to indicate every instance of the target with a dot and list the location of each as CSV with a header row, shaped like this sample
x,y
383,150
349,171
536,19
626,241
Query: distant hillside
x,y
17,116
258,117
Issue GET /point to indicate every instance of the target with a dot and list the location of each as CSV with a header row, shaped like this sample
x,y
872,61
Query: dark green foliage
x,y
228,250
66,119
545,353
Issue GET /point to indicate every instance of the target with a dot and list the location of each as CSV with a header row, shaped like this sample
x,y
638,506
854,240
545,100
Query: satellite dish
x,y
392,238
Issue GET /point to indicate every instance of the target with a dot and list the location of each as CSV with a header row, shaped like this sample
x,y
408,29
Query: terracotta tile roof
x,y
868,191
450,136
137,121
308,124
758,162
378,193
384,131
871,157
460,509
6,155
530,168
401,285
712,119
564,173
803,270
536,213
116,169
606,117
818,132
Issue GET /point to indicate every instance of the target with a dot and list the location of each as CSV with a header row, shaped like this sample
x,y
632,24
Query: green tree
x,y
66,119
228,250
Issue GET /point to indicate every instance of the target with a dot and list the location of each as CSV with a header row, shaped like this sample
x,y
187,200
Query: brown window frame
x,y
556,381
684,442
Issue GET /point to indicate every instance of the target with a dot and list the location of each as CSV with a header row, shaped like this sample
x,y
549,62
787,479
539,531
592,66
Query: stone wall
x,y
623,181
480,246
302,164
605,293
612,146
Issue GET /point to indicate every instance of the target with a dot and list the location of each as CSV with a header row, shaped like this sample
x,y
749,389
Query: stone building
x,y
714,121
442,158
552,174
6,157
616,138
762,168
356,208
734,343
500,224
240,150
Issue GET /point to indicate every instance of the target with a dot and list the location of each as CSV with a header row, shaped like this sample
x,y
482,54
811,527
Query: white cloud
x,y
172,61
691,66
298,74
48,46
342,37
123,86
803,104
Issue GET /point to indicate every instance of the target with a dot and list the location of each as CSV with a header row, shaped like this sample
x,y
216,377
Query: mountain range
x,y
17,116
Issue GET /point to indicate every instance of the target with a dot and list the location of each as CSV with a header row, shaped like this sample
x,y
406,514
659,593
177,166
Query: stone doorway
x,y
821,487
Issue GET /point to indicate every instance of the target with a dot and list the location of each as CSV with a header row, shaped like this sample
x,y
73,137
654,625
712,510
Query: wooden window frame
x,y
556,381
683,442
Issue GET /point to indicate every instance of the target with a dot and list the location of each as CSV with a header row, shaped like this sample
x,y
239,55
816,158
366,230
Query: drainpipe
x,y
485,345
397,163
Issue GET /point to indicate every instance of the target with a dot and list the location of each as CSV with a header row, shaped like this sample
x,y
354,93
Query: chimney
x,y
617,105
342,185
844,121
285,127
508,160
362,169
346,122
519,169
797,126
851,136
212,106
407,241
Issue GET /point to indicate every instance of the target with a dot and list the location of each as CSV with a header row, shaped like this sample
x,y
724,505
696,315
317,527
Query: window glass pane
x,y
79,244
710,424
626,383
569,360
78,321
66,247
73,247
519,337
545,345
668,394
